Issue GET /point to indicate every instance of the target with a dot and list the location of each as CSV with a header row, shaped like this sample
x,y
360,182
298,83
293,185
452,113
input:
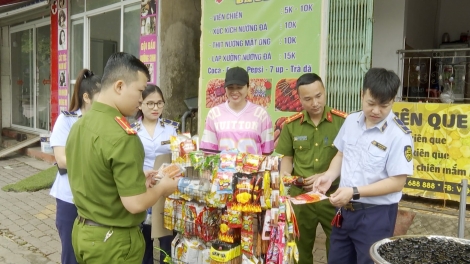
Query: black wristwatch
x,y
356,194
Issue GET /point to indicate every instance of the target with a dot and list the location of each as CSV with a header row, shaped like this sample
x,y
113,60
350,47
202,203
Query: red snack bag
x,y
240,160
251,163
208,224
234,217
281,238
247,224
225,232
185,147
244,192
247,242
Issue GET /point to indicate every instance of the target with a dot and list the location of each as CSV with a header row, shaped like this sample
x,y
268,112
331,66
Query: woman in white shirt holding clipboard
x,y
154,132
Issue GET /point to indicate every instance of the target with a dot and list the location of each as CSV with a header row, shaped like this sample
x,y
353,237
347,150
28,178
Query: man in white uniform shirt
x,y
374,158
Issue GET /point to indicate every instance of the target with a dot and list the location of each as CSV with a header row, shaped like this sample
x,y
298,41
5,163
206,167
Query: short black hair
x,y
382,84
307,78
122,66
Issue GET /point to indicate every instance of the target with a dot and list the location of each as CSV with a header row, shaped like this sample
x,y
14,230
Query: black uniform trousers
x,y
65,216
350,243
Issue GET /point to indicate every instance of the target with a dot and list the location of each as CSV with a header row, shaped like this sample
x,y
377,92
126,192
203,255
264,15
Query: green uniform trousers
x,y
308,217
125,245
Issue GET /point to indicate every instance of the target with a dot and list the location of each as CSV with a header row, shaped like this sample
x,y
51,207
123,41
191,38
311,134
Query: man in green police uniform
x,y
105,159
306,141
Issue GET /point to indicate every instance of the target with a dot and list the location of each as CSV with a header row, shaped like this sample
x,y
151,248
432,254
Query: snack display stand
x,y
230,207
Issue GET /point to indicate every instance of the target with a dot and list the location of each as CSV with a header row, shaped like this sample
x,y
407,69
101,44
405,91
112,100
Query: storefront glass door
x,y
30,66
43,80
22,78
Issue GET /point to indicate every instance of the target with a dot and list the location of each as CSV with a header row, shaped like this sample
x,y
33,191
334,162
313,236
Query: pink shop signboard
x,y
148,37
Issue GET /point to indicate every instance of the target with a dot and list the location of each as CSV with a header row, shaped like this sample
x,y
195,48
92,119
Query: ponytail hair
x,y
86,82
149,89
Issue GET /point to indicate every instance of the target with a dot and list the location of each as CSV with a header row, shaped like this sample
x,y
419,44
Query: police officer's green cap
x,y
236,75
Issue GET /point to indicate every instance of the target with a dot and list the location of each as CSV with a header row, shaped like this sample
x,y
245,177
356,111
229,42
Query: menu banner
x,y
148,36
275,41
441,154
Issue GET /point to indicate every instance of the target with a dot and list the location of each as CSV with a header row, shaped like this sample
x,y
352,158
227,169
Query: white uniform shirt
x,y
374,154
61,187
156,145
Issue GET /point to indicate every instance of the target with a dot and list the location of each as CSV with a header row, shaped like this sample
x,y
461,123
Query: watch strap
x,y
356,194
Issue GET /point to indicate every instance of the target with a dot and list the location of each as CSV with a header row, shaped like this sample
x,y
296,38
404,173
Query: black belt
x,y
88,222
354,206
61,171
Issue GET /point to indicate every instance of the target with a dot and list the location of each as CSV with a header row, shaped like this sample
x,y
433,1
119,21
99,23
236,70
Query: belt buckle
x,y
349,206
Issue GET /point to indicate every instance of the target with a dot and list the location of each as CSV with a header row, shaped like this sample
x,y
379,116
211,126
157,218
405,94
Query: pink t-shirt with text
x,y
250,130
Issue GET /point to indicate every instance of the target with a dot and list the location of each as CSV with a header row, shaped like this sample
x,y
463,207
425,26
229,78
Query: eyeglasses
x,y
88,74
159,104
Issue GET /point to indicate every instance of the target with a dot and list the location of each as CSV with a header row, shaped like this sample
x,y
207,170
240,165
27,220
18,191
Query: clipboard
x,y
157,209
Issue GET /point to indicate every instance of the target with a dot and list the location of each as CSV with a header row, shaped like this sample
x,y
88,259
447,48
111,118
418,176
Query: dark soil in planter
x,y
423,250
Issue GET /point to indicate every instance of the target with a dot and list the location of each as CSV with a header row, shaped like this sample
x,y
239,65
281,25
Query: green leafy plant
x,y
167,257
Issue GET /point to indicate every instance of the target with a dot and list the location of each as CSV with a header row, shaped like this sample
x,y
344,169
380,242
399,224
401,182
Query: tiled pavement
x,y
28,219
319,250
28,233
15,250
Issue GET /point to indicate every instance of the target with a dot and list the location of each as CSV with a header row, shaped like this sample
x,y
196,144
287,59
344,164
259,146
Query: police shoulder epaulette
x,y
295,117
135,126
69,114
402,126
125,125
171,123
339,113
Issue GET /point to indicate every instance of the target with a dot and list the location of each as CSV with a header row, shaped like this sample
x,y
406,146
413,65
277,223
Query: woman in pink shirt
x,y
238,123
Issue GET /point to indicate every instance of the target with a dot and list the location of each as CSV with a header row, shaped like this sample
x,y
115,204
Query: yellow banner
x,y
441,152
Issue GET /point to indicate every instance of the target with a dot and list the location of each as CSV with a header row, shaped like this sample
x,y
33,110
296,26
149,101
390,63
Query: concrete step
x,y
20,145
35,152
9,138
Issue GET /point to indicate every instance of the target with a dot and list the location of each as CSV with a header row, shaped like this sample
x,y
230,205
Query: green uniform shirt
x,y
103,164
310,146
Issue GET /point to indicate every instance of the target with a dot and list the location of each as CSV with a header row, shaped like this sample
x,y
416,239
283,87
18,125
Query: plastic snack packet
x,y
170,170
310,197
228,160
197,159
